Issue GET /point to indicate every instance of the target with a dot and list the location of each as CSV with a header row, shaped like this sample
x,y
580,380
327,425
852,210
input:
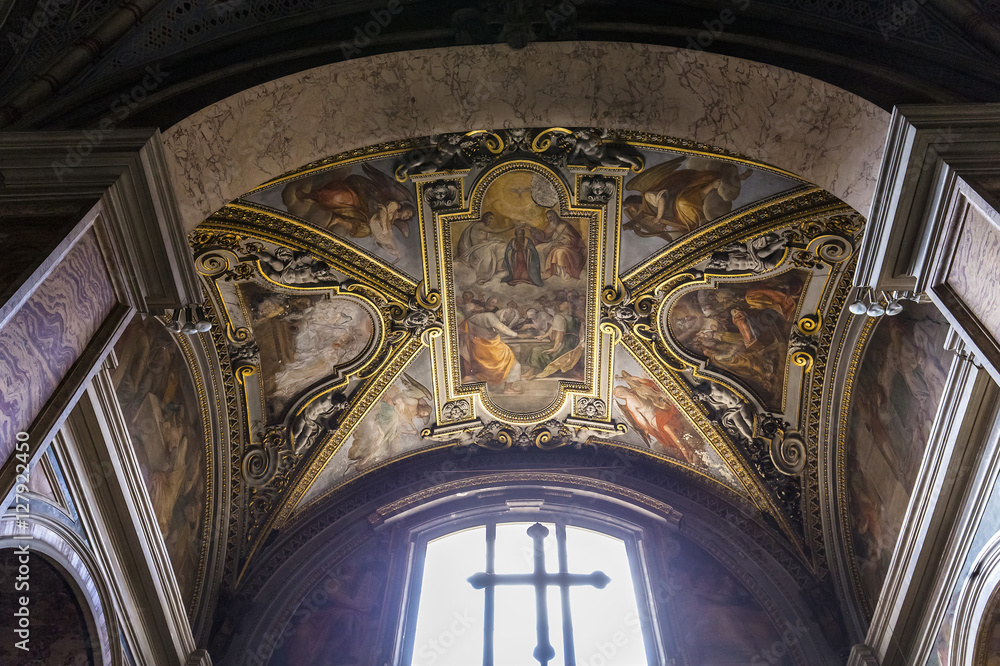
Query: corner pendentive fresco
x,y
656,422
159,401
742,328
895,397
362,204
390,429
682,194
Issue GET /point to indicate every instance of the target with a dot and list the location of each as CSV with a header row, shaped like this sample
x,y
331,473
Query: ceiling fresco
x,y
658,425
531,289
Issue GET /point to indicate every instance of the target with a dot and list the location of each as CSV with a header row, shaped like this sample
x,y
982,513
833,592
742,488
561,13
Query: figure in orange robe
x,y
489,358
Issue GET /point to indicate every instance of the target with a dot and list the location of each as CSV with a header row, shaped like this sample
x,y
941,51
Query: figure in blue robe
x,y
521,261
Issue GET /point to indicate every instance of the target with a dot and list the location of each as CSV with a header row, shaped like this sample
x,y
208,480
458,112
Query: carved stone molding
x,y
443,195
126,174
862,655
552,434
456,410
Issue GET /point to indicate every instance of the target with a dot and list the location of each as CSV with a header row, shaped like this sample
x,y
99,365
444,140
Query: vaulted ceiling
x,y
529,290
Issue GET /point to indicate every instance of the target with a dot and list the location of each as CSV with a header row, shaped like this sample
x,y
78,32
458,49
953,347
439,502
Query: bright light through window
x,y
450,619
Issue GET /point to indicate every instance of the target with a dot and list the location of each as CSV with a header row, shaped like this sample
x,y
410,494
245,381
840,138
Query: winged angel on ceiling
x,y
355,205
681,195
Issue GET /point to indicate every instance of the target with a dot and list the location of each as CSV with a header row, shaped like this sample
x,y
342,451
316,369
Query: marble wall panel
x,y
822,133
48,333
974,268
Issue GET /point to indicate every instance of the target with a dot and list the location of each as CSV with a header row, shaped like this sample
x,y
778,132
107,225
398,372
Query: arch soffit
x,y
794,122
272,604
67,553
976,603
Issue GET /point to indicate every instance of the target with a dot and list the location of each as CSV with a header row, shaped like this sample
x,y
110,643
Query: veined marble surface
x,y
43,339
974,268
815,130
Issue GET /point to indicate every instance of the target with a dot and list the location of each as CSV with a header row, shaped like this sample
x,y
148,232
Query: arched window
x,y
540,587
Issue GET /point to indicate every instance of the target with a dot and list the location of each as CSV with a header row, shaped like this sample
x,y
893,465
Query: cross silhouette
x,y
540,580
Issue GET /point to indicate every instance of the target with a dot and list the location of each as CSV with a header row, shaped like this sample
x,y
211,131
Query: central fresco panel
x,y
521,285
525,288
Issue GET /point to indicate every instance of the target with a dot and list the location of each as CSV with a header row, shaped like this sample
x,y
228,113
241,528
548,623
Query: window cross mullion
x,y
491,552
569,649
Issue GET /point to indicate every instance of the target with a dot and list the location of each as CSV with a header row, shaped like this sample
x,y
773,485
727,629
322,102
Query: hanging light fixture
x,y
875,304
190,320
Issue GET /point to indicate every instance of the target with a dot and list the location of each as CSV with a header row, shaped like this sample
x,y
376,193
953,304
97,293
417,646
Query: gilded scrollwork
x,y
621,311
788,453
266,469
802,348
420,317
264,460
551,434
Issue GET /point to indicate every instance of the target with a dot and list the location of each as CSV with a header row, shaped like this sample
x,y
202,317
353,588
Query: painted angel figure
x,y
651,414
675,198
355,205
403,410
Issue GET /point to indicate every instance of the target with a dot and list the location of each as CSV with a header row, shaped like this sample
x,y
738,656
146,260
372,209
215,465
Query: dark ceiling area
x,y
68,63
